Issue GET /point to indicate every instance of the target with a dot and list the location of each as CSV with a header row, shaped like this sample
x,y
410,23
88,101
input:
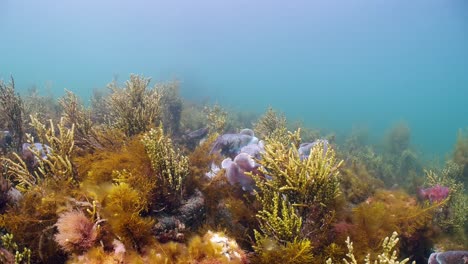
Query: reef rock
x,y
449,257
231,144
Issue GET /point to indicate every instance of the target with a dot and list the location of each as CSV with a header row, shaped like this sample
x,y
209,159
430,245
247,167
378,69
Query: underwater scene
x,y
210,132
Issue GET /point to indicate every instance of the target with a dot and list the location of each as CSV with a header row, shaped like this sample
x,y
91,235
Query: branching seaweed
x,y
170,166
11,107
135,107
56,164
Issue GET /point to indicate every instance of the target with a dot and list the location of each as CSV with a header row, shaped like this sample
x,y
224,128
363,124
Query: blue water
x,y
332,64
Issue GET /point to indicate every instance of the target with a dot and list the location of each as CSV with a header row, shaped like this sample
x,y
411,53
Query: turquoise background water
x,y
332,64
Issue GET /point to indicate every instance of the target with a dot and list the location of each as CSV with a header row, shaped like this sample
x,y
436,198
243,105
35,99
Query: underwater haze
x,y
331,64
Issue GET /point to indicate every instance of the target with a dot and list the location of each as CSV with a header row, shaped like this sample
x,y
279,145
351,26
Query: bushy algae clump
x,y
296,199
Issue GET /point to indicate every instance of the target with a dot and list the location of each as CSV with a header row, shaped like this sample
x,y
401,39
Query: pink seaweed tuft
x,y
76,233
434,194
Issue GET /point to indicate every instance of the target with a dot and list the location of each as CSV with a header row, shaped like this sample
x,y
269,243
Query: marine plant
x,y
400,163
99,105
10,251
32,219
217,118
97,167
209,248
297,198
76,115
123,208
171,167
268,123
460,155
76,232
5,186
358,183
398,138
58,163
270,251
135,107
171,107
388,255
452,217
306,183
44,107
388,211
192,116
11,106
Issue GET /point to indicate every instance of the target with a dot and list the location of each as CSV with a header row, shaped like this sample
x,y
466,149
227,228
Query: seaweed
x,y
216,118
10,251
389,211
387,255
358,183
171,168
269,122
171,105
135,107
12,112
122,207
451,217
295,252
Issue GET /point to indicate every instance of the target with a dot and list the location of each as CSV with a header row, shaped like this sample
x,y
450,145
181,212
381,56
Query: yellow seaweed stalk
x,y
312,181
171,167
135,107
55,165
292,187
217,119
388,255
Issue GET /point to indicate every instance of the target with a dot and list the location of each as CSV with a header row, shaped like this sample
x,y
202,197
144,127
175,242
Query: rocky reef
x,y
143,176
